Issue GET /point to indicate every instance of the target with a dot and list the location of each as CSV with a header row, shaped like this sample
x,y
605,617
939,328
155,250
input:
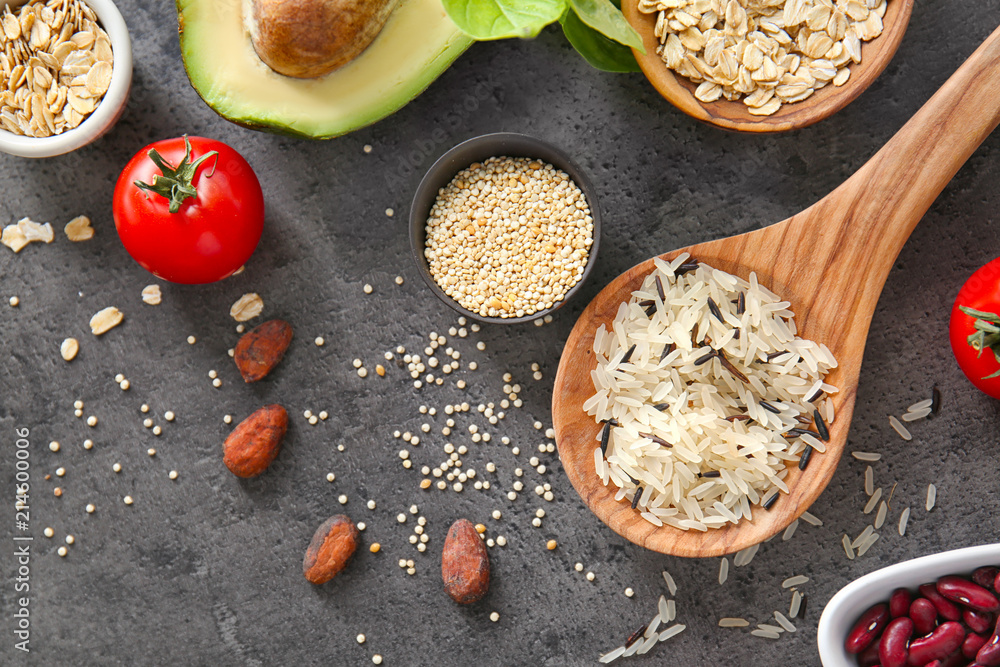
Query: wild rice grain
x,y
899,428
935,400
904,517
931,497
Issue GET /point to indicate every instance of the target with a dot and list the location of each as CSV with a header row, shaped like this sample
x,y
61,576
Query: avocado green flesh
x,y
417,43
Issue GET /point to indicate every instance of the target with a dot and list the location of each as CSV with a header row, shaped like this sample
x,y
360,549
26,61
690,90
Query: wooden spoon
x,y
830,261
679,91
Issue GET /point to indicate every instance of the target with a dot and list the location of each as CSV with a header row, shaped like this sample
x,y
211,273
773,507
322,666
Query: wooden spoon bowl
x,y
830,262
679,91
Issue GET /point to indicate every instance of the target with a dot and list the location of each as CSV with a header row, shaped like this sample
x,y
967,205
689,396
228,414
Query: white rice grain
x,y
648,644
671,611
665,451
793,608
866,456
811,519
915,415
672,631
873,501
899,428
863,549
765,634
733,622
848,549
904,517
931,497
784,622
797,580
723,571
920,405
860,539
883,509
766,627
744,556
671,584
653,626
869,481
789,531
662,608
611,656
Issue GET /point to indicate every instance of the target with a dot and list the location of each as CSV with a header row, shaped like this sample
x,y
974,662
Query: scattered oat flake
x,y
13,238
69,348
151,294
79,229
105,320
35,231
247,307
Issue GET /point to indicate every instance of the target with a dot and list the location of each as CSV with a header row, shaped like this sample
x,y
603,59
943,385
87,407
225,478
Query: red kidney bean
x,y
972,644
869,657
978,621
996,583
868,627
956,659
938,645
989,654
958,589
933,663
899,602
985,576
946,608
924,615
892,647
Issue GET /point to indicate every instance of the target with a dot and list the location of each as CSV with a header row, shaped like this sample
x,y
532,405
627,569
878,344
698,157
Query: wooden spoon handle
x,y
879,206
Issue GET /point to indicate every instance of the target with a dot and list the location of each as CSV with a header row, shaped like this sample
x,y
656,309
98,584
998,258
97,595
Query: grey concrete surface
x,y
206,570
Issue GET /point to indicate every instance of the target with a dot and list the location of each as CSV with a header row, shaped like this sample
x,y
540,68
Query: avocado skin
x,y
276,126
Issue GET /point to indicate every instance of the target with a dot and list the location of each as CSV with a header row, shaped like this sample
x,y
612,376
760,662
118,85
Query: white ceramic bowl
x,y
107,112
854,599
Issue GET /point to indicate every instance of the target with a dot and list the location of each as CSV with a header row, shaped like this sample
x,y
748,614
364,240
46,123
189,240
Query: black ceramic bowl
x,y
479,149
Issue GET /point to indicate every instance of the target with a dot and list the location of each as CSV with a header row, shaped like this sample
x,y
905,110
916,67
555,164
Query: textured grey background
x,y
207,569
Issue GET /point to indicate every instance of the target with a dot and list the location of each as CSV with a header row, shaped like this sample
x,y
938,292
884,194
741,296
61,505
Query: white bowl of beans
x,y
873,614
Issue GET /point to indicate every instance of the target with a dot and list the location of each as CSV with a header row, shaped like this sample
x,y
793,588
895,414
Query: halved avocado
x,y
417,43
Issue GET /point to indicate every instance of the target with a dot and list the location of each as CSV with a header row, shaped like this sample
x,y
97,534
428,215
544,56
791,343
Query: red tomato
x,y
189,210
975,335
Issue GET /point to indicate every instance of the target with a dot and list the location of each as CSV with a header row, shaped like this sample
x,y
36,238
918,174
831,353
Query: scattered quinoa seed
x,y
127,500
48,532
374,548
551,545
172,474
62,552
330,477
629,592
70,539
361,639
399,280
192,340
367,288
494,617
590,576
117,467
57,492
319,341
54,446
14,302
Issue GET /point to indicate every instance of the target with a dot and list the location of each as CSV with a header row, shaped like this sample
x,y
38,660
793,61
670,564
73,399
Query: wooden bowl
x,y
679,91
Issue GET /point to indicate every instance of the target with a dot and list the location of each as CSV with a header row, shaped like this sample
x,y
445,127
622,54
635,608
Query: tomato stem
x,y
987,335
175,183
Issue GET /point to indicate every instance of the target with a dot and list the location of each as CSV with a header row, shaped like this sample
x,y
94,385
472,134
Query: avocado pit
x,y
307,39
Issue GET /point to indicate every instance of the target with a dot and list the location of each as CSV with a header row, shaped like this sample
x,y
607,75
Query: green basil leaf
x,y
604,17
601,52
499,19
